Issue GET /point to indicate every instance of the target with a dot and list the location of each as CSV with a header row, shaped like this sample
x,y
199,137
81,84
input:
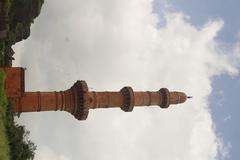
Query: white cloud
x,y
45,152
236,49
111,44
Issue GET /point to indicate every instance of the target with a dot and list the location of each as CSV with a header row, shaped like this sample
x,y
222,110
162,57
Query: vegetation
x,y
14,141
21,16
2,48
21,148
4,14
18,17
4,147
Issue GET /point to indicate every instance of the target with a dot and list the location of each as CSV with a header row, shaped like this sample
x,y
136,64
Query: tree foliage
x,y
21,148
21,16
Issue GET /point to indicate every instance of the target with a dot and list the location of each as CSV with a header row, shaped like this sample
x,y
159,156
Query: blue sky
x,y
224,100
225,110
201,11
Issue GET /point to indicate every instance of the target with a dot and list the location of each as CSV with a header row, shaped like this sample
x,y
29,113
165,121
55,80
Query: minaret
x,y
78,100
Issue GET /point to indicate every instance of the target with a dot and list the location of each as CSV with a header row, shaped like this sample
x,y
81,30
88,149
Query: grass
x,y
4,147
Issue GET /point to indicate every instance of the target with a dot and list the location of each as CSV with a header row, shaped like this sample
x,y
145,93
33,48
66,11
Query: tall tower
x,y
78,100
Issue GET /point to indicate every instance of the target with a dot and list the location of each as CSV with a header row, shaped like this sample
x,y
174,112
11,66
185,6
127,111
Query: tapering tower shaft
x,y
116,99
78,100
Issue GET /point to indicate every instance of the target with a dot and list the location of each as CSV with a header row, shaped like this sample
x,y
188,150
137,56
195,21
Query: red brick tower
x,y
78,99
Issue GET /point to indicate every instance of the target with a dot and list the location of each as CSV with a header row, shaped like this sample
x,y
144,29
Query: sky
x,y
224,98
182,45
